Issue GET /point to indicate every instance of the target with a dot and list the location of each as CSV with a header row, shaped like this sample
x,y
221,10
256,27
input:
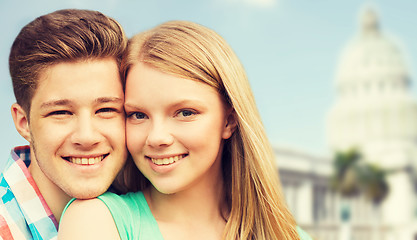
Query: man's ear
x,y
21,121
230,125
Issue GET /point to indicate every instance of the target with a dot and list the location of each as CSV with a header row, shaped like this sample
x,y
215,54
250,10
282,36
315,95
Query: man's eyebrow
x,y
66,102
109,99
61,102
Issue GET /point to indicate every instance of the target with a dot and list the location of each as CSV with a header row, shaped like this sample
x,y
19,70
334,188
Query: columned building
x,y
375,113
315,206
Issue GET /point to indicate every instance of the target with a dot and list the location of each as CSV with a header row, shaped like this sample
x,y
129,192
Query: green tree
x,y
353,176
374,184
344,178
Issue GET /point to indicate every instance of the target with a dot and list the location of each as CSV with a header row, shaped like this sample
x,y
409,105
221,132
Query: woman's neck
x,y
197,210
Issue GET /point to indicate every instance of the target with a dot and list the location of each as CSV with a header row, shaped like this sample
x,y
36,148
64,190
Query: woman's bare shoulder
x,y
87,219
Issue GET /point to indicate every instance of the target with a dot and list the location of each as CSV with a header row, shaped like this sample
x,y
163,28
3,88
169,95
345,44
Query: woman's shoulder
x,y
86,219
90,207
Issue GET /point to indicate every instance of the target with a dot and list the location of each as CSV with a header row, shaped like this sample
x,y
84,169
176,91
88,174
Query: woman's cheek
x,y
135,138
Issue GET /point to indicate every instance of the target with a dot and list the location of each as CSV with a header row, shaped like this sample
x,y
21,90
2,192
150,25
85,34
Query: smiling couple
x,y
200,165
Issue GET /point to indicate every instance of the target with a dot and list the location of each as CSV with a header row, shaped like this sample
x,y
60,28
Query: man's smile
x,y
86,160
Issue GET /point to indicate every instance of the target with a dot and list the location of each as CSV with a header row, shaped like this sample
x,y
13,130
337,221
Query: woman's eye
x,y
137,115
186,113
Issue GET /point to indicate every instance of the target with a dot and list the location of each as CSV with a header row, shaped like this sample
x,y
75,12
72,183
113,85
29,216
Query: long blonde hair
x,y
253,195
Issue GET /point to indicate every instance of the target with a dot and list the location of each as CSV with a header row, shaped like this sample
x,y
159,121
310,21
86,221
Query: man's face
x,y
77,127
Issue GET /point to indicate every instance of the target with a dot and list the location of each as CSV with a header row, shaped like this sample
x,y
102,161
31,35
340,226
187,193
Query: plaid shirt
x,y
24,213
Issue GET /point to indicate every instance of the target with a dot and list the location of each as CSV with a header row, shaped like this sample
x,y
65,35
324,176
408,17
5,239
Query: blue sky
x,y
290,50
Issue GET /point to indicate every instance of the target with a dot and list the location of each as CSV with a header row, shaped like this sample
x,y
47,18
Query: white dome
x,y
371,60
373,100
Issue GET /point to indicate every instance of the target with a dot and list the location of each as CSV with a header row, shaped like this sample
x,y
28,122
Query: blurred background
x,y
334,83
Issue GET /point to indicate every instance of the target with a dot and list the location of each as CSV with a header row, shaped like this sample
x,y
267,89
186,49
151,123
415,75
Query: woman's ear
x,y
21,121
230,124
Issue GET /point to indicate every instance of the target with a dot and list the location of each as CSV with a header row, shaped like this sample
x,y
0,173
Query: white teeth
x,y
166,161
86,161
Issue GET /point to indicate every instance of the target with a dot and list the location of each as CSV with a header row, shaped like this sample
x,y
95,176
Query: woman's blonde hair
x,y
256,206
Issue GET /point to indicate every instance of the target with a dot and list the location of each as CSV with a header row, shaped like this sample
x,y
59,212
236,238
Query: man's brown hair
x,y
62,36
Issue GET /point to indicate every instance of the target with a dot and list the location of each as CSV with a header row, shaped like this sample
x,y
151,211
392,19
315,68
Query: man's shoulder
x,y
20,214
13,173
5,191
19,156
12,220
14,166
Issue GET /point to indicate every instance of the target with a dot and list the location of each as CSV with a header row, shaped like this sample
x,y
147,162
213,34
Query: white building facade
x,y
374,112
316,207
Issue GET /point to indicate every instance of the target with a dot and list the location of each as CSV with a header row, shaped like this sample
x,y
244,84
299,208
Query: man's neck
x,y
55,198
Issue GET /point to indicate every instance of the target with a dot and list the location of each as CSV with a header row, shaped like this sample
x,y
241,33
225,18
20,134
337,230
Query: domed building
x,y
374,105
375,113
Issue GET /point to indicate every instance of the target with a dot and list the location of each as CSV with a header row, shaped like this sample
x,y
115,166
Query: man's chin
x,y
87,194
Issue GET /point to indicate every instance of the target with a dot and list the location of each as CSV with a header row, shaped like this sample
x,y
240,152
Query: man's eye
x,y
60,112
106,110
137,115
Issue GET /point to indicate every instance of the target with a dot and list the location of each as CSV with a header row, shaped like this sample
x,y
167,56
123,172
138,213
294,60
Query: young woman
x,y
206,167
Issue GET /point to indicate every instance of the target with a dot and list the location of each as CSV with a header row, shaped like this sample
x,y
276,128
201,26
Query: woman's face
x,y
175,129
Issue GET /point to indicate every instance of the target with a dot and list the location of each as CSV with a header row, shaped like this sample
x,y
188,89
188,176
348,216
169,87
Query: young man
x,y
66,79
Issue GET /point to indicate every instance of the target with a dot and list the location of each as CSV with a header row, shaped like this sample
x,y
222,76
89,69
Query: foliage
x,y
353,176
373,179
345,178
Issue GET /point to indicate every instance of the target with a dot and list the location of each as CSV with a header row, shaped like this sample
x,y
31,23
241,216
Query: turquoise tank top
x,y
132,215
134,219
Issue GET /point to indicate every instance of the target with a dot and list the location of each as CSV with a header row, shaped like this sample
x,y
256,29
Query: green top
x,y
132,215
134,219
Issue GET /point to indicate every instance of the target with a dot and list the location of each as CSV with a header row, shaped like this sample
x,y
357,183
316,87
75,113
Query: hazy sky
x,y
290,50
